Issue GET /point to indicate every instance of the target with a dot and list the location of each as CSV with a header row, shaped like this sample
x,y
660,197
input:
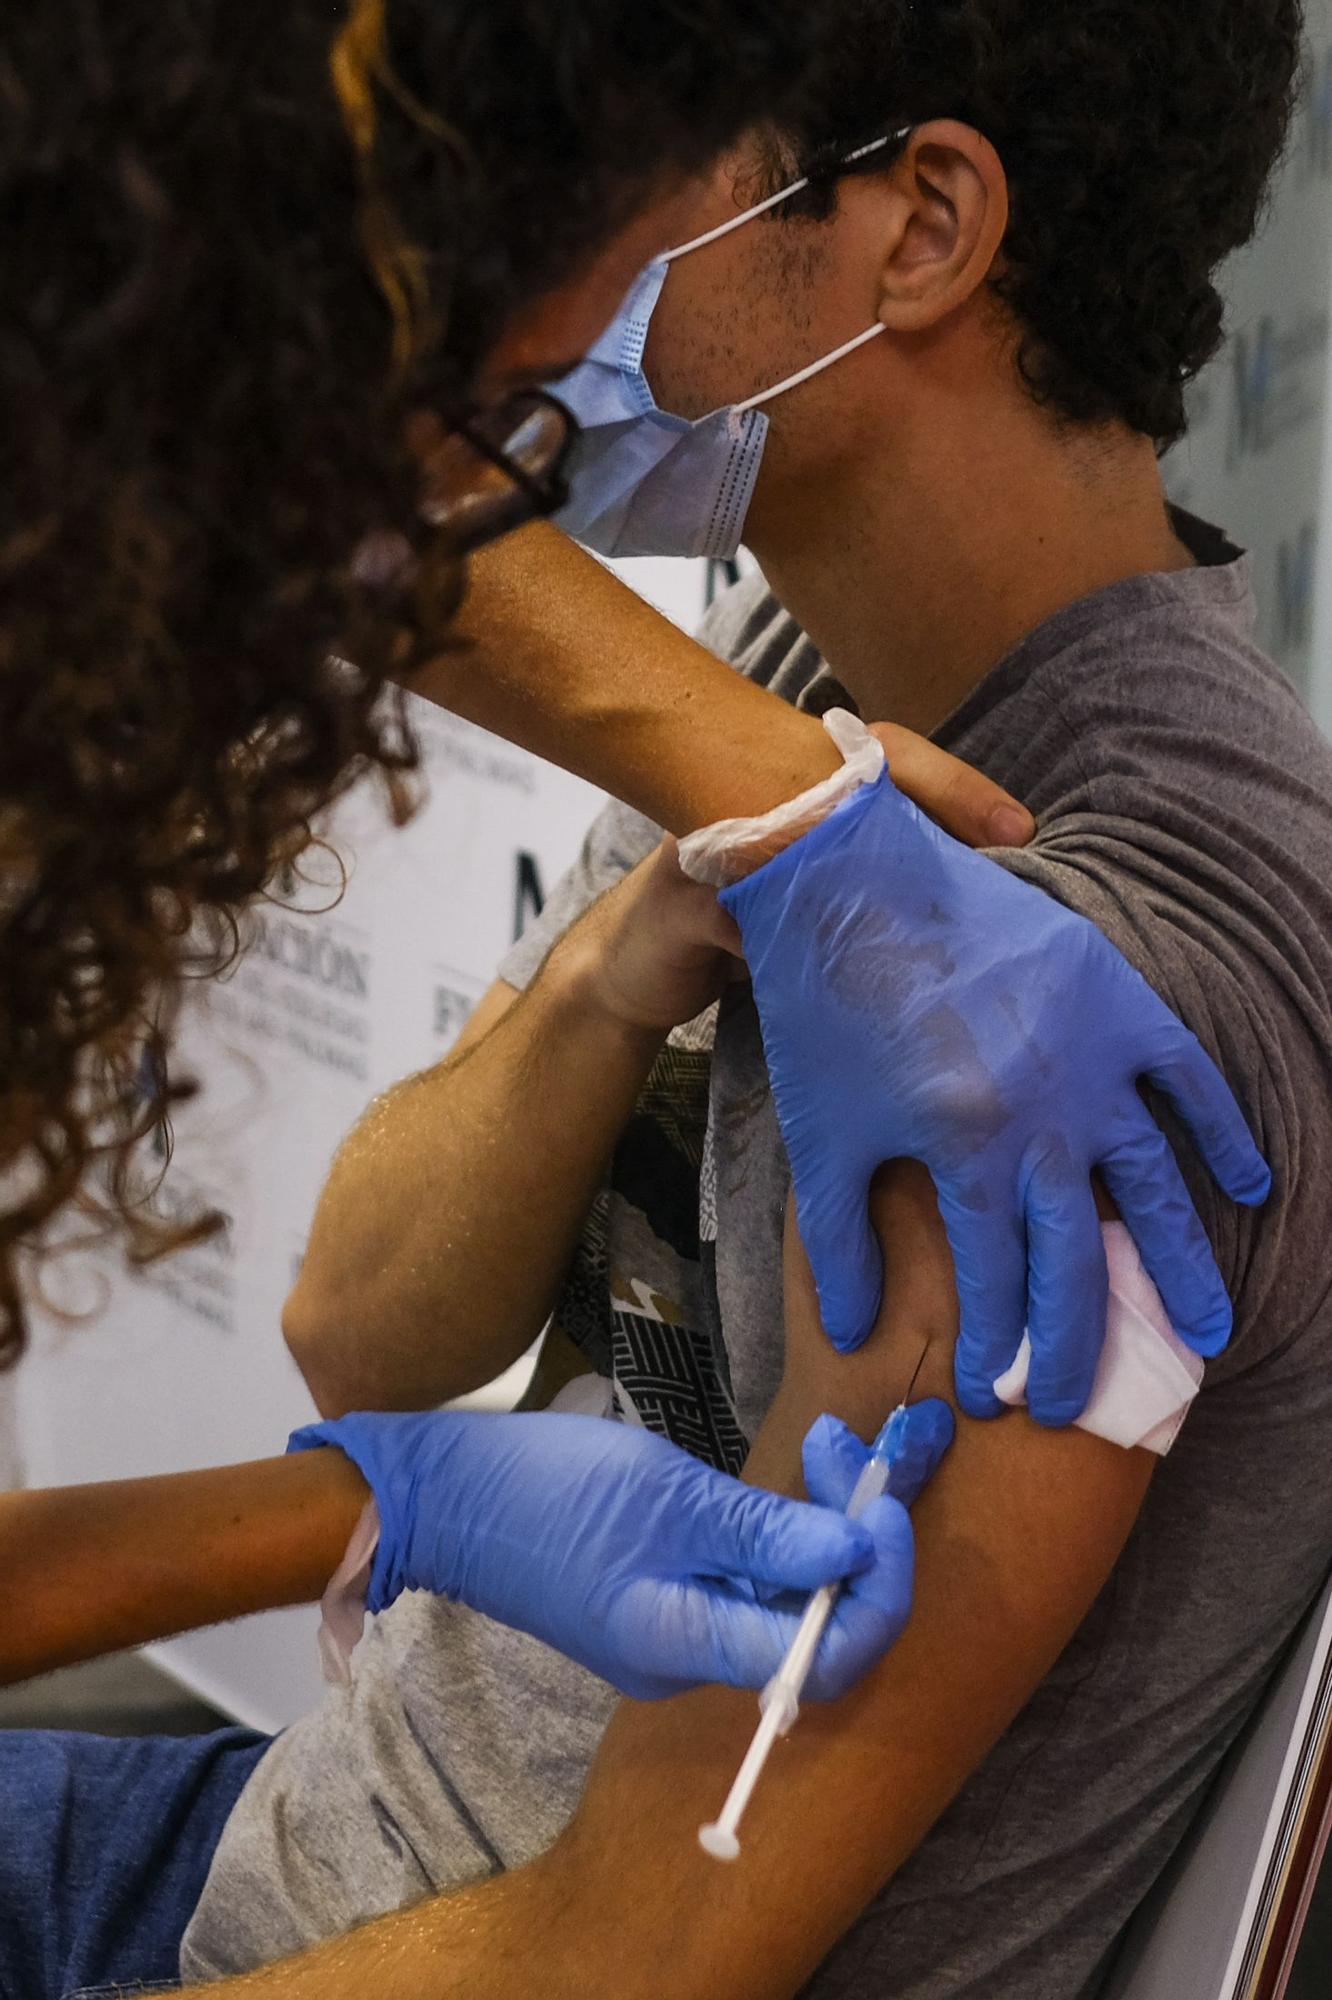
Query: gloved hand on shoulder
x,y
920,1002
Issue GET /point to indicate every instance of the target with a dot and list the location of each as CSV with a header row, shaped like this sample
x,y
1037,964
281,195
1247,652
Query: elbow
x,y
310,1331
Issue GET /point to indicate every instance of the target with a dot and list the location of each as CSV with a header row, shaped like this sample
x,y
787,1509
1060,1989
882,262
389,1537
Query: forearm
x,y
453,1210
557,655
508,1939
91,1569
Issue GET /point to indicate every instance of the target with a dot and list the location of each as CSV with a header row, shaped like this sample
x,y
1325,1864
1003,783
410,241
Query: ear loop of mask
x,y
738,222
775,200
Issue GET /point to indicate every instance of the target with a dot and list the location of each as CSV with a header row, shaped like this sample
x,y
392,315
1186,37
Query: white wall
x,y
1320,679
183,1366
1320,687
1320,138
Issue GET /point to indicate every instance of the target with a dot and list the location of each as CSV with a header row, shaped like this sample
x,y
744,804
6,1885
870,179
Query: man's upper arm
x,y
1016,1537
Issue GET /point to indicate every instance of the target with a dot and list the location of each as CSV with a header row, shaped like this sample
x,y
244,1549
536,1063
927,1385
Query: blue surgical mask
x,y
644,482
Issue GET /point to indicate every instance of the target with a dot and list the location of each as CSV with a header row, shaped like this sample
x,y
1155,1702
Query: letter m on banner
x,y
529,897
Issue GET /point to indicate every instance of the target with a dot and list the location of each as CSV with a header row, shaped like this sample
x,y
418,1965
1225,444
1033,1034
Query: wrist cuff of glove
x,y
726,852
344,1604
374,1557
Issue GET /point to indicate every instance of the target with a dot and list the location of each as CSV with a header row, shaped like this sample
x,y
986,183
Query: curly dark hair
x,y
1139,139
239,242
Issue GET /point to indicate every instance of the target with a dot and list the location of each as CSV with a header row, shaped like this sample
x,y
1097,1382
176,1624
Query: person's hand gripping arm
x,y
919,1002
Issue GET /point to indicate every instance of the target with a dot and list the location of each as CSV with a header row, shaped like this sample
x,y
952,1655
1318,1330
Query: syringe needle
x,y
915,1377
781,1698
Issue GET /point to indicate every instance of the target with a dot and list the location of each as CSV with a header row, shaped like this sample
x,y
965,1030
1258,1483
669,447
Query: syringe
x,y
780,1700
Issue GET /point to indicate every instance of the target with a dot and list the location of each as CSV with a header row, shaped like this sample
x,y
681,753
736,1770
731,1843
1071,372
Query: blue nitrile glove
x,y
834,1457
618,1548
920,1002
874,1608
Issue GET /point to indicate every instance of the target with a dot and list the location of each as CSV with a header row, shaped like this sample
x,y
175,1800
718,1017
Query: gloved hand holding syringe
x,y
898,1464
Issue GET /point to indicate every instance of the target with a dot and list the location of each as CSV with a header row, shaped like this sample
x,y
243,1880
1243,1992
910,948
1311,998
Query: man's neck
x,y
916,583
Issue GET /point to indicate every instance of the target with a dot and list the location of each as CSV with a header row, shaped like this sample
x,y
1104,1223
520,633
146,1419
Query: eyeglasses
x,y
498,469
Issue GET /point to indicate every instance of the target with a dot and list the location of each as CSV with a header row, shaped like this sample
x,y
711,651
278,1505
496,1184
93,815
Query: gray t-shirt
x,y
1185,806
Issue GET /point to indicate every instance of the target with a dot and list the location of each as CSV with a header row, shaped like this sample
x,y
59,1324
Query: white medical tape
x,y
1148,1379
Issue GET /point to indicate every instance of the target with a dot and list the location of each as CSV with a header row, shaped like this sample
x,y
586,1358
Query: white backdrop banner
x,y
1253,461
184,1366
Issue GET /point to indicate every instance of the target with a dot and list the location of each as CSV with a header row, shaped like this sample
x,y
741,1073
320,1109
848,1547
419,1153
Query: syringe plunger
x,y
780,1700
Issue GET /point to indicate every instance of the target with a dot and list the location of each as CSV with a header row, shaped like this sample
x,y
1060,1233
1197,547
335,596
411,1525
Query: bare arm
x,y
90,1569
453,1210
1016,1537
452,1213
556,654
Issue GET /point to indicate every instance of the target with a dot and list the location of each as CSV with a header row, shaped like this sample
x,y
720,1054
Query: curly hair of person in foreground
x,y
240,243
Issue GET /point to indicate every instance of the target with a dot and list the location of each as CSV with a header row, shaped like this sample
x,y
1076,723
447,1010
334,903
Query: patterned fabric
x,y
640,1302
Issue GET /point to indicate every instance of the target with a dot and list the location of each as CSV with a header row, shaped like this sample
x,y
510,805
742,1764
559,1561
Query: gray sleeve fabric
x,y
1208,888
616,842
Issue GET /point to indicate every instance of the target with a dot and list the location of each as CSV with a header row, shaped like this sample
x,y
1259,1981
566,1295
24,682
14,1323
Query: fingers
x,y
703,1630
1068,1294
873,1610
662,1636
1203,1100
844,1255
926,1437
990,1259
964,801
777,1543
834,1458
1144,1180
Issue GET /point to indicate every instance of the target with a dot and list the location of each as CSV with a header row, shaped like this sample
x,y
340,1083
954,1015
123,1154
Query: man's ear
x,y
949,220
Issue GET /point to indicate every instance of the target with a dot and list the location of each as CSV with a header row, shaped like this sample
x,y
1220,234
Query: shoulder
x,y
1185,756
1186,809
1166,694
